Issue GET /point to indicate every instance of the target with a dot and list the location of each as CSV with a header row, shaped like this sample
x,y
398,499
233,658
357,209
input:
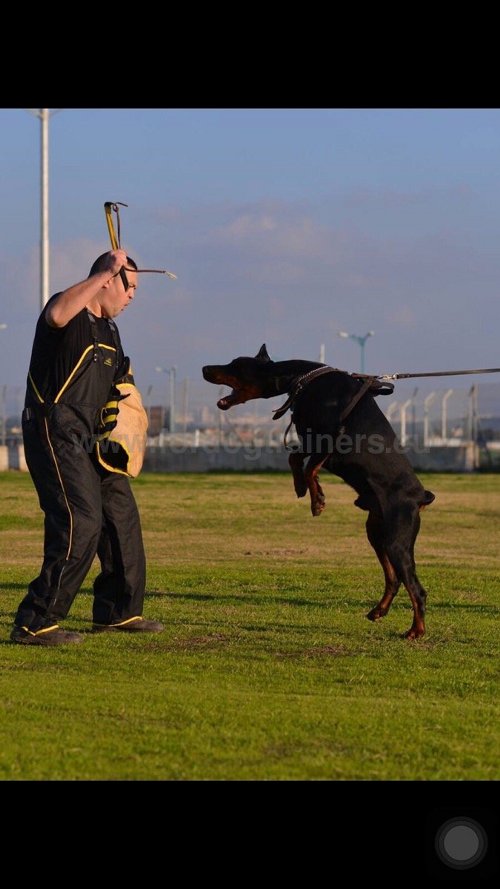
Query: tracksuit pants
x,y
87,511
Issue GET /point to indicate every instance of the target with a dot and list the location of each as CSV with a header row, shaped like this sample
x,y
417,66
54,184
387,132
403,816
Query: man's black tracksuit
x,y
88,509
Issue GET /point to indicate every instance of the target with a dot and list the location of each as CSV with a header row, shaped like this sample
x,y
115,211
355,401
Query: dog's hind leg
x,y
400,552
374,532
315,490
296,463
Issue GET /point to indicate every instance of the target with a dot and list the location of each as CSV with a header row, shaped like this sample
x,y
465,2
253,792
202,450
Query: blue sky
x,y
283,226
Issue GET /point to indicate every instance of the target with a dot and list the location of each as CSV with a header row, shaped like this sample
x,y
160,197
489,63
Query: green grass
x,y
267,667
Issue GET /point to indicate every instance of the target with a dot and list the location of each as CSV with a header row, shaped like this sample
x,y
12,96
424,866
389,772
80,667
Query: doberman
x,y
340,427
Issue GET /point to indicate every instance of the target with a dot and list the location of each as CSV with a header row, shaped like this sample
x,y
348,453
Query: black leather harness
x,y
369,384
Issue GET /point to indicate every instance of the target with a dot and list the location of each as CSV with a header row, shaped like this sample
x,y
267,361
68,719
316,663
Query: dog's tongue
x,y
228,400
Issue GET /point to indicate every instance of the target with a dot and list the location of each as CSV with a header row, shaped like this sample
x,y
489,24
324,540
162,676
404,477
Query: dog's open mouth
x,y
241,390
234,397
238,396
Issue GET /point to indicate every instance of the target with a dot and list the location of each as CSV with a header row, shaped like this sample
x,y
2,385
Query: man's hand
x,y
108,415
116,259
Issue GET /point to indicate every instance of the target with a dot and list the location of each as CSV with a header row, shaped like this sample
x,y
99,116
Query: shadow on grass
x,y
465,606
255,599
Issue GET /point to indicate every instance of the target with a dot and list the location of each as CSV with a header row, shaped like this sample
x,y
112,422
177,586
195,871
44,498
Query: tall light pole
x,y
360,340
43,115
44,207
171,373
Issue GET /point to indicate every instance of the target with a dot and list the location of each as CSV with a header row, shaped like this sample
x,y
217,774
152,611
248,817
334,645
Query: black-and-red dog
x,y
341,428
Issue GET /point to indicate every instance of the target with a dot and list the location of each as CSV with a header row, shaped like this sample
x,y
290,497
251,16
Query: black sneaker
x,y
132,625
47,636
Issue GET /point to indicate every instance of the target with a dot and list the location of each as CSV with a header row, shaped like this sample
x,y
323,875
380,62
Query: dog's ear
x,y
262,354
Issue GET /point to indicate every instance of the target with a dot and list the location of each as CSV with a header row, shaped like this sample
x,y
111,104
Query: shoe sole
x,y
46,643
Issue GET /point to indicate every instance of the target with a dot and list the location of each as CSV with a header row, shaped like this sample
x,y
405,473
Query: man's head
x,y
119,290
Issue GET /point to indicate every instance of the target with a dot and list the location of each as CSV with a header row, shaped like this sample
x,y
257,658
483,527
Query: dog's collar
x,y
297,386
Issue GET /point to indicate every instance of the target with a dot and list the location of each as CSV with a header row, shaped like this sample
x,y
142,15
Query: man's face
x,y
116,297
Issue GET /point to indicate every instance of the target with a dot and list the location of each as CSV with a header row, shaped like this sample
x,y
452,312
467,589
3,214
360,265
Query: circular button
x,y
461,843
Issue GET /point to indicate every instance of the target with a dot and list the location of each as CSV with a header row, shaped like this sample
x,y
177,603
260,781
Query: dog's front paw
x,y
318,505
300,488
376,613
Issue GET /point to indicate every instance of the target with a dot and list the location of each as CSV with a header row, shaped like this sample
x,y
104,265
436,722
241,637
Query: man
x,y
76,358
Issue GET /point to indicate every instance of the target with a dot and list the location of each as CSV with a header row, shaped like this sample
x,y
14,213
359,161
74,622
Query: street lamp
x,y
171,373
360,340
43,114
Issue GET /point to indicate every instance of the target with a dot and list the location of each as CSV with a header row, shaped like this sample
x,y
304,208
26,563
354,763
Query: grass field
x,y
267,668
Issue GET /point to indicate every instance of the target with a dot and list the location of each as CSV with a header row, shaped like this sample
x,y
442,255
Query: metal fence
x,y
184,412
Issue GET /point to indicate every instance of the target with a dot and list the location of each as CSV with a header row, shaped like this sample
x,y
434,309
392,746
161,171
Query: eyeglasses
x,y
123,276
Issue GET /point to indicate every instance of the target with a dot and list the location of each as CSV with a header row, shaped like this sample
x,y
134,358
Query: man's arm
x,y
71,301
